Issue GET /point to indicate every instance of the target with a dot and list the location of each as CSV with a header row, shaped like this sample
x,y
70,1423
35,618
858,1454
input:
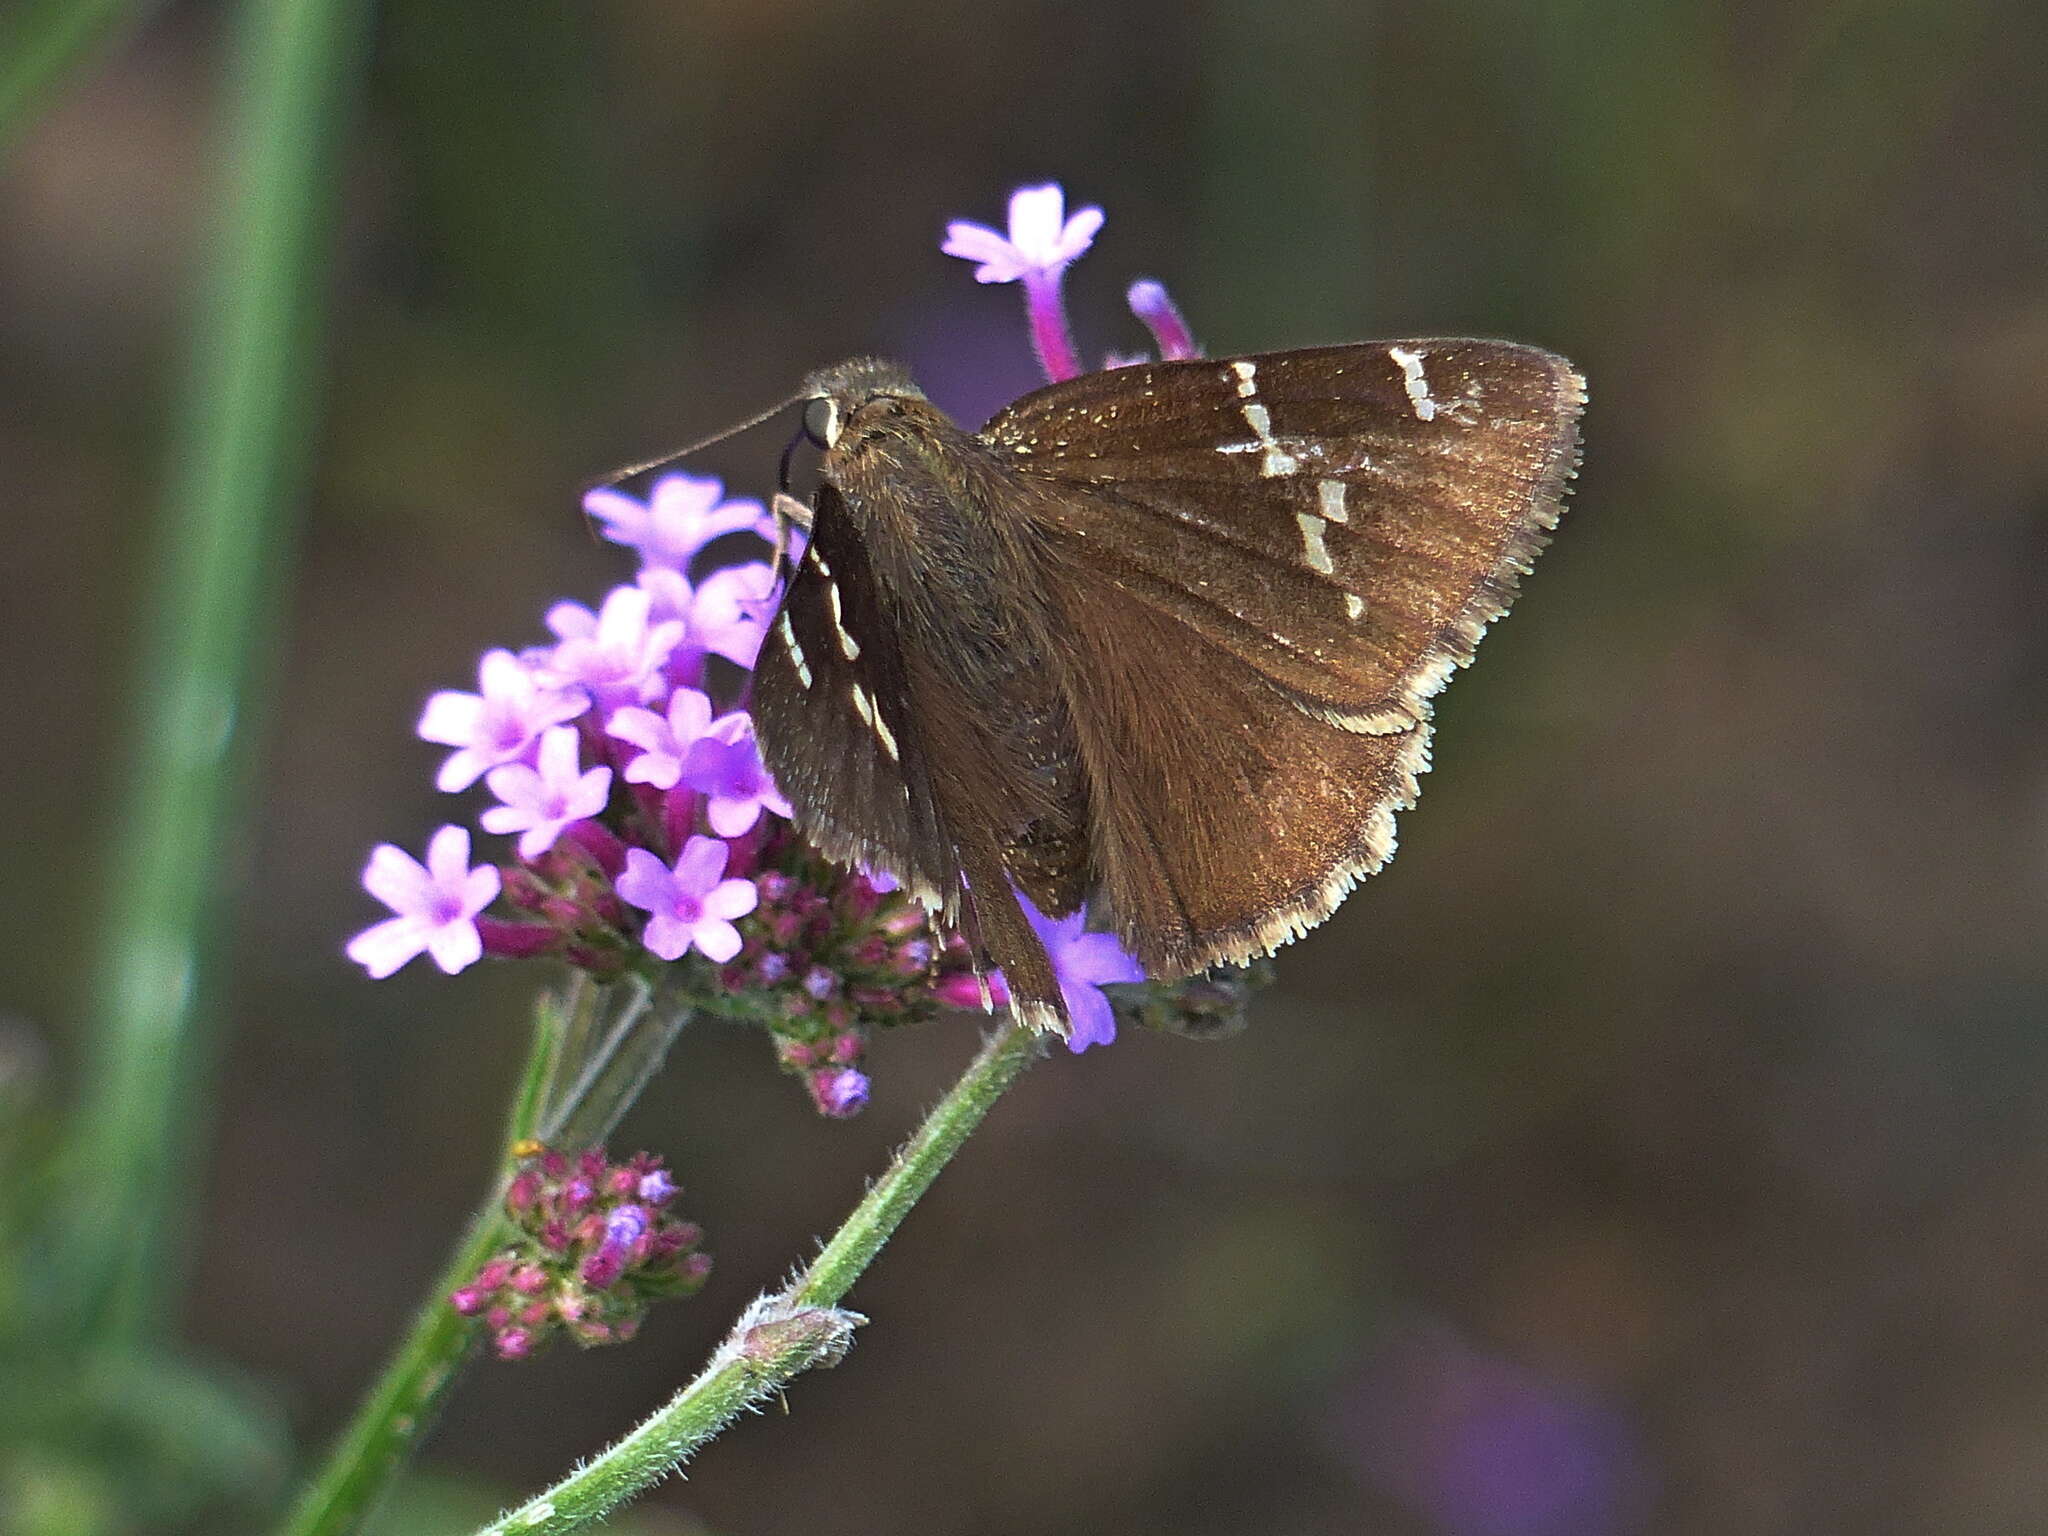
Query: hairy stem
x,y
781,1336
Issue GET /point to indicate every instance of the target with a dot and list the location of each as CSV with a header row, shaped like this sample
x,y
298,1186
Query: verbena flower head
x,y
436,905
680,516
1084,962
540,802
498,723
595,1248
1041,244
615,655
649,831
691,905
1043,241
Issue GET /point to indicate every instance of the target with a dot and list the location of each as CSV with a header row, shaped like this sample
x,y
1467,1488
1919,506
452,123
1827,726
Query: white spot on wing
x,y
1330,498
848,646
1277,460
1354,605
1312,547
1413,381
864,706
796,652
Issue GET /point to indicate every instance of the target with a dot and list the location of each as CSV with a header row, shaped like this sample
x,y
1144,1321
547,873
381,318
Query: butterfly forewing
x,y
886,762
830,700
1346,519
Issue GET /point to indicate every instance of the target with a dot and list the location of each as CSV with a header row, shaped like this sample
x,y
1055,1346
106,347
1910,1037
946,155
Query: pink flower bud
x,y
514,1343
656,1187
839,1092
522,1192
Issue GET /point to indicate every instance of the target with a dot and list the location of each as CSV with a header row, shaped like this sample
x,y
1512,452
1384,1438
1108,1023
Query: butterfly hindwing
x,y
1346,520
1224,819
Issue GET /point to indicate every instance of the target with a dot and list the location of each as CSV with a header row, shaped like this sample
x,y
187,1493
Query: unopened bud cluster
x,y
829,955
595,1249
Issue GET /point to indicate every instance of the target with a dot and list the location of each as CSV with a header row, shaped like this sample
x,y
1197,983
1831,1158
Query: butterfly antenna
x,y
618,476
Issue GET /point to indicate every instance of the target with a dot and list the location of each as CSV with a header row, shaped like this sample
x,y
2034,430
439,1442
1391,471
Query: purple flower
x,y
680,516
664,741
656,1187
840,1092
617,653
624,1226
436,903
1042,241
730,614
499,722
1150,302
1084,962
690,904
541,801
669,594
725,764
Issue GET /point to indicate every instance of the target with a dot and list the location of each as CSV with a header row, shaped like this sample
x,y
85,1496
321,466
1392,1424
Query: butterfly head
x,y
834,396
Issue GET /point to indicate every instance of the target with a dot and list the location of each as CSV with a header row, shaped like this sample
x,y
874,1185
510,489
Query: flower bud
x,y
839,1092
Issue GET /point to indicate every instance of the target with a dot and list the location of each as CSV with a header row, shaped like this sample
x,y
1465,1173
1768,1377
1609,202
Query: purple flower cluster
x,y
622,759
595,1249
606,755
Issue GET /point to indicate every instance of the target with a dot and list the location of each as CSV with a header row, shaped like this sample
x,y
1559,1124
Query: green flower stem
x,y
406,1398
781,1336
236,470
841,1262
41,43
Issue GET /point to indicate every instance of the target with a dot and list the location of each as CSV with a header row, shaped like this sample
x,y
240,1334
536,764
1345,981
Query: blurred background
x,y
1659,1146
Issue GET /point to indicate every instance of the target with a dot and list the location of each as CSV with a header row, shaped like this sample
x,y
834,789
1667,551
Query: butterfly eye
x,y
821,420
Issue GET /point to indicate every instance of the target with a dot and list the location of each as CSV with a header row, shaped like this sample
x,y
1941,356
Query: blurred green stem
x,y
237,461
40,43
402,1405
781,1336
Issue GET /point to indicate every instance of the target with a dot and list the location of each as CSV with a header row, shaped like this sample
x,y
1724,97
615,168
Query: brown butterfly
x,y
1159,640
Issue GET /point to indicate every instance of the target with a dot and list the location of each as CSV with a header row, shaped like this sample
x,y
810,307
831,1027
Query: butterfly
x,y
1158,641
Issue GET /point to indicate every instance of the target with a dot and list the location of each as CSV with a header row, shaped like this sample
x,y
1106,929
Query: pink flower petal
x,y
719,941
396,878
731,898
384,947
702,862
455,946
